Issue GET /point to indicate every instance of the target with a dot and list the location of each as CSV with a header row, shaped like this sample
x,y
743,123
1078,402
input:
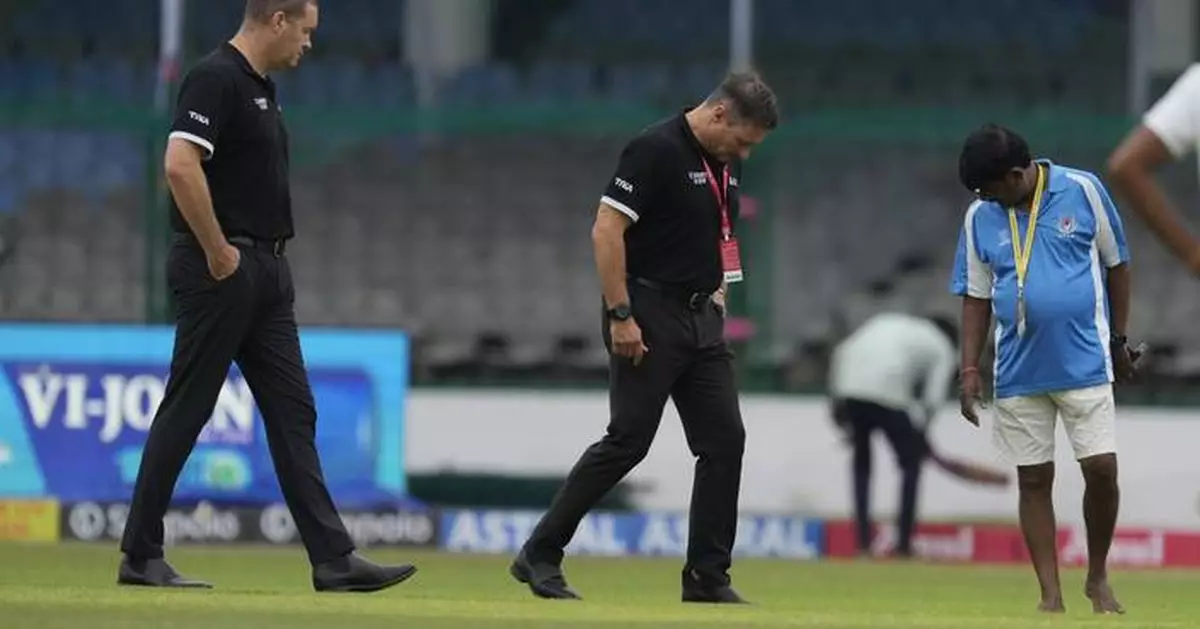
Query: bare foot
x,y
1052,605
1102,597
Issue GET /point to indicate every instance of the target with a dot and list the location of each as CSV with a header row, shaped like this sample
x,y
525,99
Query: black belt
x,y
273,247
692,299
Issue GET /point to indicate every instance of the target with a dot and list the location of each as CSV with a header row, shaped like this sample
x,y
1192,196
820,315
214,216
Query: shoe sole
x,y
190,585
371,587
519,573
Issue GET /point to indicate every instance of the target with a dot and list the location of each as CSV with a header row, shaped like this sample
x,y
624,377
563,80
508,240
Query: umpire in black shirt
x,y
666,250
227,168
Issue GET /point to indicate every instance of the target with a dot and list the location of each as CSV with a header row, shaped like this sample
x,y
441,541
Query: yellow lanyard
x,y
1021,255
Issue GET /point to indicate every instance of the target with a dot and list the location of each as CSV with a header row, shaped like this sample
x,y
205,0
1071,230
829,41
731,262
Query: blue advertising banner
x,y
628,534
76,403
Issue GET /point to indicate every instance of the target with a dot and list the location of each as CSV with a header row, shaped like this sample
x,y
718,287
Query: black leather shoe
x,y
545,580
695,590
352,573
154,573
721,594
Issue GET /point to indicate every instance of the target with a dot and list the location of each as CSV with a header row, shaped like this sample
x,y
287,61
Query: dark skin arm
x,y
1118,297
1118,283
1131,170
976,317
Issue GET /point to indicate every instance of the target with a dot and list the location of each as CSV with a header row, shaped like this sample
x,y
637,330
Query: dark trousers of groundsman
x,y
689,362
249,318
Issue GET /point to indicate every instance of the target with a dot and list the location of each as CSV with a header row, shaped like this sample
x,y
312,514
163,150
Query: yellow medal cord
x,y
1022,254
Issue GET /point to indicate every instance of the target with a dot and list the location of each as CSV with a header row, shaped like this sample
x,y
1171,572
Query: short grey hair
x,y
261,10
750,99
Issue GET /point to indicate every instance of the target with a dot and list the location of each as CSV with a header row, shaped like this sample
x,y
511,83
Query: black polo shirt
x,y
661,184
230,111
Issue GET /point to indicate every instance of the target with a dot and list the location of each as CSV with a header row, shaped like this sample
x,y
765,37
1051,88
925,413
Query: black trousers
x,y
248,317
910,447
689,362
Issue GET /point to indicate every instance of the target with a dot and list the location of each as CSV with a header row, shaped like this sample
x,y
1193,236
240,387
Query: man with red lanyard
x,y
666,251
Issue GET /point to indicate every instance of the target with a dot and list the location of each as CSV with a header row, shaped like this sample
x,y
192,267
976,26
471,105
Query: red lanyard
x,y
722,195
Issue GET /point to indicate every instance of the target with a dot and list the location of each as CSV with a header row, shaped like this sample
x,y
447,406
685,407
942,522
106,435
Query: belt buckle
x,y
276,248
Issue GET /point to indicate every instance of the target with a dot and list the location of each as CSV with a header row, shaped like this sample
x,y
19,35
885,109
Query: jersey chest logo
x,y
700,178
1066,226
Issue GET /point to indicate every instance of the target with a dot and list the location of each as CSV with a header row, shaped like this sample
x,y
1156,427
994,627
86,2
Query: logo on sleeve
x,y
202,119
624,185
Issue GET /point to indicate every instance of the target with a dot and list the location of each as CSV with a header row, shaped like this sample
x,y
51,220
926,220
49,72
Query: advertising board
x,y
627,534
29,521
215,523
76,403
1133,547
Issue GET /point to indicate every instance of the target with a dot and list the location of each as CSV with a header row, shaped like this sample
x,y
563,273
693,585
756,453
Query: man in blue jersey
x,y
1043,251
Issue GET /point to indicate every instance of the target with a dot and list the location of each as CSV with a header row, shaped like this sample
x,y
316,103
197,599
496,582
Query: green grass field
x,y
72,587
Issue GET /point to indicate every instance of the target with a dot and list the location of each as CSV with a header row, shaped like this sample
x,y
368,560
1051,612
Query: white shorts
x,y
1023,426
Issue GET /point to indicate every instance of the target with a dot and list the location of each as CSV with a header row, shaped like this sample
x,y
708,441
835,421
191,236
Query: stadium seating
x,y
452,249
859,51
434,235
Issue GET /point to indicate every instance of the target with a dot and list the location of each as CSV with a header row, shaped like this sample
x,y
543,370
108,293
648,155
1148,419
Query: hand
x,y
224,262
1124,361
970,394
718,299
627,340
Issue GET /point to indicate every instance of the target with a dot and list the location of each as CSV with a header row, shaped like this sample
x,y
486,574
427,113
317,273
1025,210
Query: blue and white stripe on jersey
x,y
1079,236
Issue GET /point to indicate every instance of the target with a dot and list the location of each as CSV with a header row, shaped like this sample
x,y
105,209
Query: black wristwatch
x,y
619,312
1118,339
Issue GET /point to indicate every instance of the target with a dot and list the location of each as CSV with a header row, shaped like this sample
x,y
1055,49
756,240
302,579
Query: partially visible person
x,y
666,250
874,374
1043,251
1168,132
227,169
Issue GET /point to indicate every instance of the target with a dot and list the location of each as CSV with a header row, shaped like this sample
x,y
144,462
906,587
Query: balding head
x,y
278,32
261,11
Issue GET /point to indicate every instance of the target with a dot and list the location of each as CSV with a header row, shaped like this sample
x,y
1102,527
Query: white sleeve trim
x,y
195,139
1106,240
1173,117
620,207
979,276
